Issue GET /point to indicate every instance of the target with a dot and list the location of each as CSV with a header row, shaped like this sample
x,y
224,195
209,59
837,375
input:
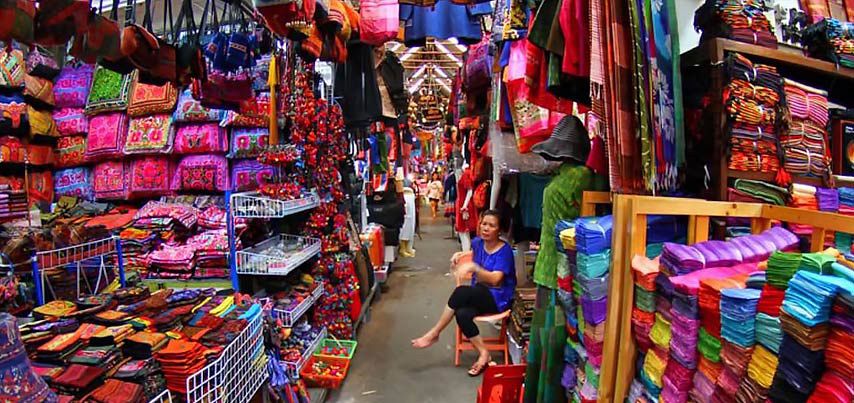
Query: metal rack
x,y
290,317
253,205
163,397
258,261
75,256
293,368
238,372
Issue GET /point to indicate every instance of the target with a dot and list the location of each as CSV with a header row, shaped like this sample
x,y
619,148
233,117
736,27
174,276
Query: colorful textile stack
x,y
837,383
752,100
644,272
846,207
521,315
738,315
678,259
764,191
740,20
805,144
831,39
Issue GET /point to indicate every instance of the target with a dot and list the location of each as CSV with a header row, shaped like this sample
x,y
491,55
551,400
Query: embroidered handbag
x,y
39,91
478,66
71,121
107,134
40,188
58,20
39,154
70,151
41,122
111,180
150,176
254,112
239,52
201,173
166,69
12,70
149,135
247,175
41,63
73,182
190,62
248,142
379,21
13,113
149,99
16,20
200,139
72,85
139,44
110,91
191,110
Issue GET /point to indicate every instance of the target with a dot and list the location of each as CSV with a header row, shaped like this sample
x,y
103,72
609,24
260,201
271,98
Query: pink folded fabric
x,y
690,283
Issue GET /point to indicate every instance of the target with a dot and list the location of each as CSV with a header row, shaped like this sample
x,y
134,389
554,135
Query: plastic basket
x,y
325,381
349,345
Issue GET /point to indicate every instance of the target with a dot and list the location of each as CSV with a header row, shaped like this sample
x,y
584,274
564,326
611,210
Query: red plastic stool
x,y
492,344
502,384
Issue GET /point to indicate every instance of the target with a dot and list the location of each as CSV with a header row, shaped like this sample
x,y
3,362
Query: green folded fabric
x,y
782,267
594,265
763,190
843,241
592,374
709,346
644,300
818,263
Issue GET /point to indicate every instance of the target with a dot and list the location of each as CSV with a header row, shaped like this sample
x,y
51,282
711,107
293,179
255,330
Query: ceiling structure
x,y
432,66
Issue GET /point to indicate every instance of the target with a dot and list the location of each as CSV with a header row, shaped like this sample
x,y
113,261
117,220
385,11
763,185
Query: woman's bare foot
x,y
425,341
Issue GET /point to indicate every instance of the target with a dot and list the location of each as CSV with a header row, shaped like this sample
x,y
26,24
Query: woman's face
x,y
435,177
489,228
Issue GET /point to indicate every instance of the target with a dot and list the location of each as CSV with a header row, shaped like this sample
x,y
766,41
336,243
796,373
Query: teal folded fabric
x,y
594,265
768,332
843,241
843,271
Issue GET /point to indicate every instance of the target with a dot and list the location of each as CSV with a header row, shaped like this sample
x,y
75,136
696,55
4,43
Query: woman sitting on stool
x,y
493,282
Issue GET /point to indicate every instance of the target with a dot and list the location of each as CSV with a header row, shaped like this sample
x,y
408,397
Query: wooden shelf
x,y
715,50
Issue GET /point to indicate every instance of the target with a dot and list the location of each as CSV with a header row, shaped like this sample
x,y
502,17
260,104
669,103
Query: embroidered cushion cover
x,y
72,86
75,182
150,176
107,134
200,139
111,180
149,135
201,173
110,91
191,110
70,151
248,142
148,99
71,121
249,175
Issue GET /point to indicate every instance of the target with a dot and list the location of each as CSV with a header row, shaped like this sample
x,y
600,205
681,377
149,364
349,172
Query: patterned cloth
x,y
18,381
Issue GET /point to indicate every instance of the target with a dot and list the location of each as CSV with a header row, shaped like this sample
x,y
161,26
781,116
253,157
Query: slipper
x,y
480,370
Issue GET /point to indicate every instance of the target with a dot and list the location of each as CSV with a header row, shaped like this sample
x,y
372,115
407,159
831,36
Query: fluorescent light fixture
x,y
440,71
445,86
418,72
416,86
409,53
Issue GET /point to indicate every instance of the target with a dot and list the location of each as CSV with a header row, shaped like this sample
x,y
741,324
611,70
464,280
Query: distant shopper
x,y
435,191
493,283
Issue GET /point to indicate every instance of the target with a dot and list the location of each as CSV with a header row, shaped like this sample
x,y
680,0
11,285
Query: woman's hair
x,y
491,213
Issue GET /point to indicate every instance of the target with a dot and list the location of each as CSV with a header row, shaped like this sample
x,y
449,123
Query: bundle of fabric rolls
x,y
752,100
740,20
805,142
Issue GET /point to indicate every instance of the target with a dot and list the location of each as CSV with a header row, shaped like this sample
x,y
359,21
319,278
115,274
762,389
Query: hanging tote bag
x,y
102,39
478,67
190,62
17,18
57,21
380,21
139,44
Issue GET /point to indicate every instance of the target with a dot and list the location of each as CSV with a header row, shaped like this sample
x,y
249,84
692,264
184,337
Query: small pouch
x,y
200,139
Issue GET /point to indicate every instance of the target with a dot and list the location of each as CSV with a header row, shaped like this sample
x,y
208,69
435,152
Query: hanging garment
x,y
444,20
408,229
360,94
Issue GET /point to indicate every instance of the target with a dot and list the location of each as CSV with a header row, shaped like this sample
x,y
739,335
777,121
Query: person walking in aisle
x,y
493,282
435,190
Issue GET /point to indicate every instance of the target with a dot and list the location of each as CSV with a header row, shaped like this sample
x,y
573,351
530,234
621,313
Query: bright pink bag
x,y
201,139
71,121
379,21
111,180
107,133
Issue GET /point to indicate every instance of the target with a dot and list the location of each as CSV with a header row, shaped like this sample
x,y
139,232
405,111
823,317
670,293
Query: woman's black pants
x,y
468,302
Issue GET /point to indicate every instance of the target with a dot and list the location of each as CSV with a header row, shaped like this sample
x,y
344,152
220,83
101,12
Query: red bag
x,y
58,20
480,197
17,20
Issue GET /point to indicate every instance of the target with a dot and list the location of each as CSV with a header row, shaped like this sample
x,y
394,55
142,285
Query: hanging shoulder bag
x,y
139,44
57,21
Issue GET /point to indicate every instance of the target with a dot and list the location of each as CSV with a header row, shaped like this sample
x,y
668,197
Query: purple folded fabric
x,y
683,341
663,306
681,259
703,388
568,379
828,199
782,238
663,286
718,253
594,310
750,248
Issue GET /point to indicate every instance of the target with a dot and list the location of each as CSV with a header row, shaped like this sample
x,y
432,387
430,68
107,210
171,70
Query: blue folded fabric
x,y
593,234
756,280
738,315
768,332
594,288
810,296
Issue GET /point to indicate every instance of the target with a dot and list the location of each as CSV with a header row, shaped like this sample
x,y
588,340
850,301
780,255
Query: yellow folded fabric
x,y
660,332
654,366
567,238
762,366
226,303
201,304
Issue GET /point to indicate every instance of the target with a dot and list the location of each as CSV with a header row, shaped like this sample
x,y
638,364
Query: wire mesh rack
x,y
294,367
253,205
87,254
290,316
265,258
237,373
163,397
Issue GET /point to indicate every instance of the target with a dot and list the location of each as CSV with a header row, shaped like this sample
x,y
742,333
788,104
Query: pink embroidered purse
x,y
111,180
107,134
200,139
149,135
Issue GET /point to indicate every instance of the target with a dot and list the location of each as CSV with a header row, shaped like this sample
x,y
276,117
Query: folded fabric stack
x,y
180,359
521,315
172,261
719,253
115,391
805,314
78,379
803,197
764,191
644,273
782,267
740,20
830,39
13,204
837,383
587,305
211,253
678,259
846,207
828,199
805,144
171,221
738,315
143,372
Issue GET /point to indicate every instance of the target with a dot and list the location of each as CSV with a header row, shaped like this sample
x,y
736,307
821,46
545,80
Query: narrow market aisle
x,y
386,368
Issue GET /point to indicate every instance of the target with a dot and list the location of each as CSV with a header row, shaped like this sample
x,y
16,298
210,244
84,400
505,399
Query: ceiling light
x,y
409,53
416,86
418,72
449,54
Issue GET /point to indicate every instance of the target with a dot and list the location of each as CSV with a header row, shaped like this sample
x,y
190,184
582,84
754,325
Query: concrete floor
x,y
386,368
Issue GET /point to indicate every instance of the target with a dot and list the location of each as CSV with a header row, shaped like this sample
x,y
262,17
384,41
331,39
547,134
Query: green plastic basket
x,y
349,345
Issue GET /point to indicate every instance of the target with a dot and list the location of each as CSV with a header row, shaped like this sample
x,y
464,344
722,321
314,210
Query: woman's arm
x,y
490,278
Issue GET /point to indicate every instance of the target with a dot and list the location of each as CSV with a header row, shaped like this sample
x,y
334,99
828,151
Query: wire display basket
x,y
238,372
50,259
290,316
293,368
163,397
268,257
253,205
85,255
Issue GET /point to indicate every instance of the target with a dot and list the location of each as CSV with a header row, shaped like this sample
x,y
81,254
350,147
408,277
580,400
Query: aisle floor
x,y
386,368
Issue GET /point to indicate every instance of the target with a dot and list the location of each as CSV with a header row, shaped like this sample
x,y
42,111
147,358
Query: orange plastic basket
x,y
325,381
